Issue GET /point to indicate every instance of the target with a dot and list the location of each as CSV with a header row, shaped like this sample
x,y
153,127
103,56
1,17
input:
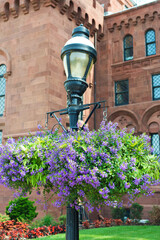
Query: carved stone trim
x,y
35,4
73,9
132,21
14,13
64,8
25,6
4,15
52,3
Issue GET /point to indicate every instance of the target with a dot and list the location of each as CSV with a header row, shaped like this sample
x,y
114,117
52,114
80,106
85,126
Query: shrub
x,y
17,230
47,220
155,215
118,213
97,223
118,222
21,208
62,219
86,224
136,211
44,231
12,229
128,221
107,222
4,217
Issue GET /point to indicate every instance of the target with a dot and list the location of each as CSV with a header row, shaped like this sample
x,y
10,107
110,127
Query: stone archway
x,y
5,59
151,119
125,119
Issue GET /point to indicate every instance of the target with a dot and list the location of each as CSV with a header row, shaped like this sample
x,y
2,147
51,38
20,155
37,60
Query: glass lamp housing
x,y
78,54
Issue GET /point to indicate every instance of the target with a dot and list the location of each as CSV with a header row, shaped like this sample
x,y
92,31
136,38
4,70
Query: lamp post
x,y
78,55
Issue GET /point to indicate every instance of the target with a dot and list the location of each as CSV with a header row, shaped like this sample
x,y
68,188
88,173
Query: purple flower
x,y
111,185
127,185
121,175
123,166
136,181
39,126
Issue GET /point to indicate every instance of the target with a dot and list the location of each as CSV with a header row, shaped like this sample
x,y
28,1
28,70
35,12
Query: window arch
x,y
150,42
2,88
128,47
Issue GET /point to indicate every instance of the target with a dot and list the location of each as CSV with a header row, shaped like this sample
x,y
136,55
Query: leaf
x,y
63,146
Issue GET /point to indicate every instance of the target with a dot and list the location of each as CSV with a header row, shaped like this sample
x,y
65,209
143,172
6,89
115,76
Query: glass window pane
x,y
128,48
0,137
156,80
121,86
122,98
151,49
150,36
121,92
2,86
128,41
2,104
129,54
3,69
155,143
156,93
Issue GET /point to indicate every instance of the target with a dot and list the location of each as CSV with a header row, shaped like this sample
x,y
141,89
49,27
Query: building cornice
x,y
92,17
127,22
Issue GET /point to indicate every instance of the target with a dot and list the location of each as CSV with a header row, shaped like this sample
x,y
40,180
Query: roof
x,y
133,2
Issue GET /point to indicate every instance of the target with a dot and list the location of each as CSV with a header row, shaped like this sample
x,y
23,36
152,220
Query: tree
x,y
93,167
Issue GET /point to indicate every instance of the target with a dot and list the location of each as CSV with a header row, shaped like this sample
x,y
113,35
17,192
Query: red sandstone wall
x,y
33,36
142,112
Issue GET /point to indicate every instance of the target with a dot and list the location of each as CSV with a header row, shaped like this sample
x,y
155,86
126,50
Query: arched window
x,y
2,88
150,42
128,47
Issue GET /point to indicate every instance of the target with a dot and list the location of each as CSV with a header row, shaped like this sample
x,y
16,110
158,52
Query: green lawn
x,y
115,233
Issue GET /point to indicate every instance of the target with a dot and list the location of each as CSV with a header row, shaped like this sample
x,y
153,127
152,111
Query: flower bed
x,y
105,223
16,230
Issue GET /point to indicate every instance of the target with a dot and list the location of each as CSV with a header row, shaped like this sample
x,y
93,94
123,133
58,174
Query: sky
x,y
139,2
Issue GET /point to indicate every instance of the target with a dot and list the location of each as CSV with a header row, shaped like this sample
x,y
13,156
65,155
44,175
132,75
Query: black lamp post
x,y
78,56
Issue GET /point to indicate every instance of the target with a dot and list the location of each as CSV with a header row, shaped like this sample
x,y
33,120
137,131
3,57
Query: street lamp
x,y
78,55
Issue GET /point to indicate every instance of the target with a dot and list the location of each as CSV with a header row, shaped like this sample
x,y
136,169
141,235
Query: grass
x,y
115,233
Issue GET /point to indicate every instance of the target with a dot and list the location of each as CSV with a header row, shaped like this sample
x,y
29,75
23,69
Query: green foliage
x,y
118,213
4,217
47,220
155,215
62,219
136,211
21,209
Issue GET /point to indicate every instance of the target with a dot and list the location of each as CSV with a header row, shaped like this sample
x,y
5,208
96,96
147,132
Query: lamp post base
x,y
72,226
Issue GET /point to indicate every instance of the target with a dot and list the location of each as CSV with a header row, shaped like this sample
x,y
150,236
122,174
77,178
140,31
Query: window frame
x,y
153,98
116,102
127,48
153,42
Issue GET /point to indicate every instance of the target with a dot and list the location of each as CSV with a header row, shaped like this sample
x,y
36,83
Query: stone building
x,y
126,74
